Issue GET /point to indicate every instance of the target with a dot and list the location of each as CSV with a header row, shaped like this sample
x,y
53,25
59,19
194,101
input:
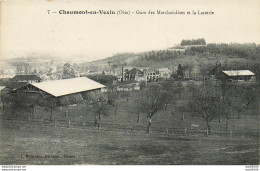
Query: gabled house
x,y
152,74
29,78
165,73
22,80
134,74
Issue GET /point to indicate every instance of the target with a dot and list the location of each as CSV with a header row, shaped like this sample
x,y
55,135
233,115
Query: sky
x,y
28,30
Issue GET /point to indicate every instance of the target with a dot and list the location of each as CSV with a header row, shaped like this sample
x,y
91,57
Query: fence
x,y
129,128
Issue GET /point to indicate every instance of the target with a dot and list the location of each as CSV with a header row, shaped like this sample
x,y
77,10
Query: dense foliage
x,y
248,51
193,42
106,80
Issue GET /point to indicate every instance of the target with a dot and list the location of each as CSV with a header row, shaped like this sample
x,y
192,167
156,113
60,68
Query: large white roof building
x,y
59,88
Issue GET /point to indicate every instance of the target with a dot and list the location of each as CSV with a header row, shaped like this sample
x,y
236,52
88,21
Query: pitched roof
x,y
239,73
135,71
164,70
16,85
2,87
68,86
26,77
152,70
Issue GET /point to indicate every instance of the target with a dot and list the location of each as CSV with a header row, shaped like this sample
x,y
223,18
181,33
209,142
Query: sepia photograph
x,y
117,82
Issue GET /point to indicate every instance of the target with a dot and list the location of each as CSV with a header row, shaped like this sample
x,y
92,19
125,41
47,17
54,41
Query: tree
x,y
97,102
192,87
206,105
103,79
179,88
142,85
22,67
49,103
200,41
187,70
238,107
225,107
180,72
18,102
68,71
150,101
21,101
113,100
249,95
34,71
67,100
182,109
125,94
99,106
171,90
239,89
114,66
227,90
205,69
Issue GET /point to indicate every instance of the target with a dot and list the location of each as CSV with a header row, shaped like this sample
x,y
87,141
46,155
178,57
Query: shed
x,y
30,78
22,80
239,75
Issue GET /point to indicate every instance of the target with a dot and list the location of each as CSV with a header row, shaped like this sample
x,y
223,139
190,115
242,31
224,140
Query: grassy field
x,y
164,119
34,144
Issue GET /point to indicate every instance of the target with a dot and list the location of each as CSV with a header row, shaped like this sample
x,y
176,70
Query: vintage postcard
x,y
117,82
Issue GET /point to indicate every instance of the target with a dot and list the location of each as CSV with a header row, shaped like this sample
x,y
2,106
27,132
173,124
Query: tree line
x,y
193,42
246,50
161,55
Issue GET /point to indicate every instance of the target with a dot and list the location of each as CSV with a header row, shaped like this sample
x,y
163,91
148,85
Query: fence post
x,y
98,125
230,131
69,123
84,123
185,131
29,119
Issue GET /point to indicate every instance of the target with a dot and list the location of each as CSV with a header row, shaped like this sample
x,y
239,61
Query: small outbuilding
x,y
22,80
237,75
28,78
